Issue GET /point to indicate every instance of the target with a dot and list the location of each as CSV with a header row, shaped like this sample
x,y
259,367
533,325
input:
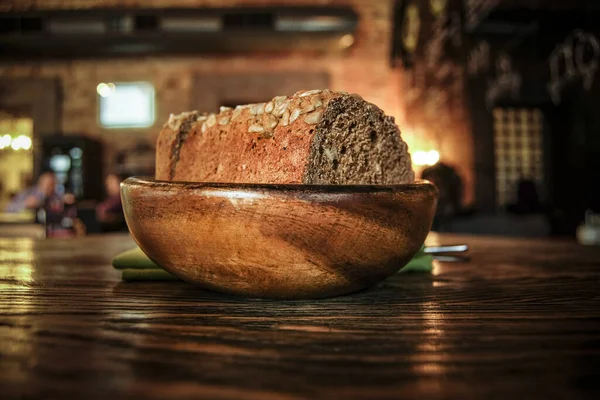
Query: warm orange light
x,y
346,41
422,158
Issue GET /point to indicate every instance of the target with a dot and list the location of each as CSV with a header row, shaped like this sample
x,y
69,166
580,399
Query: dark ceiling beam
x,y
123,32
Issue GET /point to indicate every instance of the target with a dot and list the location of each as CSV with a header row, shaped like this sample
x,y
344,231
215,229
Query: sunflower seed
x,y
254,128
295,115
308,93
285,118
316,101
280,109
211,120
257,109
171,122
236,113
314,117
175,121
269,107
223,108
308,109
267,134
203,129
279,99
224,120
272,121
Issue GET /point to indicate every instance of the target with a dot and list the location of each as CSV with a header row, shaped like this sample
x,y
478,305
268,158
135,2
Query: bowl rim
x,y
416,185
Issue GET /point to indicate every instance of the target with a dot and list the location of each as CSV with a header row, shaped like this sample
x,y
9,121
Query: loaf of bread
x,y
312,137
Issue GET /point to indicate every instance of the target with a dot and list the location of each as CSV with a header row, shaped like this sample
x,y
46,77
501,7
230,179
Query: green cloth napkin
x,y
136,266
133,259
421,262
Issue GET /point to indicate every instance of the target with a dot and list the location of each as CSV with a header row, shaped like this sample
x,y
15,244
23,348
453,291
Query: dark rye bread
x,y
312,137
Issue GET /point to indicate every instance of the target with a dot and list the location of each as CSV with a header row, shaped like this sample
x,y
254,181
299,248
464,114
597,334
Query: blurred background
x,y
497,99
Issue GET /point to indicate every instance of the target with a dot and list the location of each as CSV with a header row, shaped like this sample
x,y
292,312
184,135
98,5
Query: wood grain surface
x,y
521,320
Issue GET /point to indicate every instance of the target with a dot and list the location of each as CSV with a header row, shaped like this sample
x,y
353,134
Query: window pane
x,y
126,105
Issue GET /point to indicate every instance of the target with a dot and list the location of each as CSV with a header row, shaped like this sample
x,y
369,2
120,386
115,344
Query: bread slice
x,y
312,137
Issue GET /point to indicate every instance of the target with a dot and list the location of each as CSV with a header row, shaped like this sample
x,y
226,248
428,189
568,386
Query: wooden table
x,y
520,320
20,225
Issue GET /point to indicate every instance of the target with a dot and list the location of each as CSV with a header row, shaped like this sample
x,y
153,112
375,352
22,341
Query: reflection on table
x,y
21,224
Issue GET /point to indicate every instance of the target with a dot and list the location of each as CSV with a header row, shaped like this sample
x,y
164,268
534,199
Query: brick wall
x,y
366,69
434,106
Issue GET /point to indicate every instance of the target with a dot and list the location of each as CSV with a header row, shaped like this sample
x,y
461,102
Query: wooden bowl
x,y
279,241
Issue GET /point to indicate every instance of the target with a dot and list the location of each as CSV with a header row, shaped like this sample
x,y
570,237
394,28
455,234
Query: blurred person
x,y
109,213
36,196
450,188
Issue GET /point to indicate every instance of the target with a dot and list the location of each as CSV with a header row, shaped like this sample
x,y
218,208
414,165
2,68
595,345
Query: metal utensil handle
x,y
455,248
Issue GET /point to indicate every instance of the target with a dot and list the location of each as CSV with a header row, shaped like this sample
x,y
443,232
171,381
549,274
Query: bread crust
x,y
255,143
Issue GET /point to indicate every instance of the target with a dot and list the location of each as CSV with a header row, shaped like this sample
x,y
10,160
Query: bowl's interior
x,y
408,188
